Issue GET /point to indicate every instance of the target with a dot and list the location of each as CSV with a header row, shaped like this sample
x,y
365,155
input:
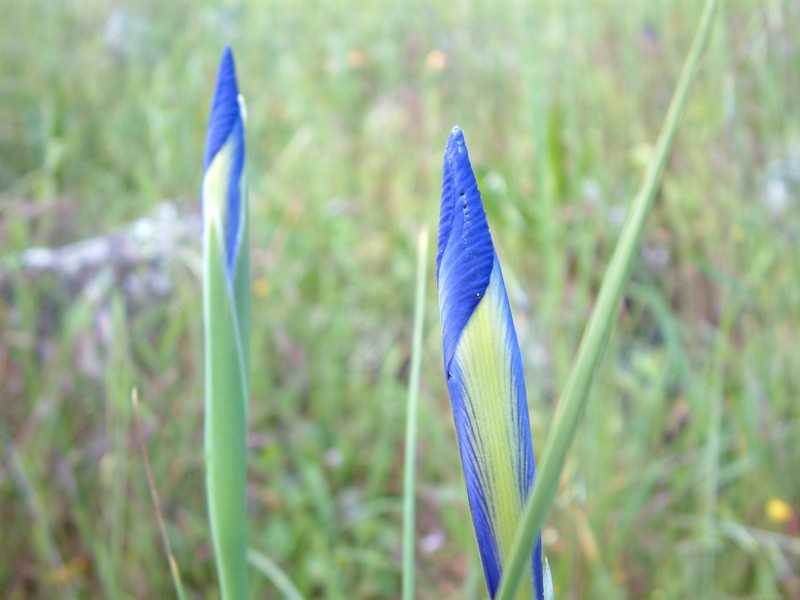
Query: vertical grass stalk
x,y
597,330
409,475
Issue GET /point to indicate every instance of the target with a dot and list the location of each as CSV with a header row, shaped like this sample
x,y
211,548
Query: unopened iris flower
x,y
224,189
484,373
226,314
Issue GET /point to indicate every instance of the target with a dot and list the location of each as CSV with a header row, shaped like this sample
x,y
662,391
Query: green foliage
x,y
693,424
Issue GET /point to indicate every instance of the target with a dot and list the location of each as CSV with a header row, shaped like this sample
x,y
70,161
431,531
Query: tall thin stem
x,y
409,476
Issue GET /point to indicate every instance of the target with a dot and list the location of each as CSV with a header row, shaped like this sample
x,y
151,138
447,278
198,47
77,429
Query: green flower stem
x,y
411,419
576,393
227,322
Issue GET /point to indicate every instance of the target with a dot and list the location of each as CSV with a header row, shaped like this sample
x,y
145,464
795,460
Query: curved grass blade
x,y
595,337
175,572
226,314
275,574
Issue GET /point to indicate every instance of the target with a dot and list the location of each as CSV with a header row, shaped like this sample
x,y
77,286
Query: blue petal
x,y
465,251
226,125
224,107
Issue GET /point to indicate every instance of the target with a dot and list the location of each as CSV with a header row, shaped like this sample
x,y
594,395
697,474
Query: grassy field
x,y
684,481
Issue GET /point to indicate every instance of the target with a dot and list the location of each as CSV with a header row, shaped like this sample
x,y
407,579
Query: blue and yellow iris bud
x,y
483,366
226,316
224,188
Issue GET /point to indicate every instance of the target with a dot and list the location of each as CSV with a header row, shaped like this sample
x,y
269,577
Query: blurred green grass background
x,y
685,478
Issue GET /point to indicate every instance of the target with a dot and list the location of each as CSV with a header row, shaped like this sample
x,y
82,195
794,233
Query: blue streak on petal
x,y
526,465
465,251
235,200
226,126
